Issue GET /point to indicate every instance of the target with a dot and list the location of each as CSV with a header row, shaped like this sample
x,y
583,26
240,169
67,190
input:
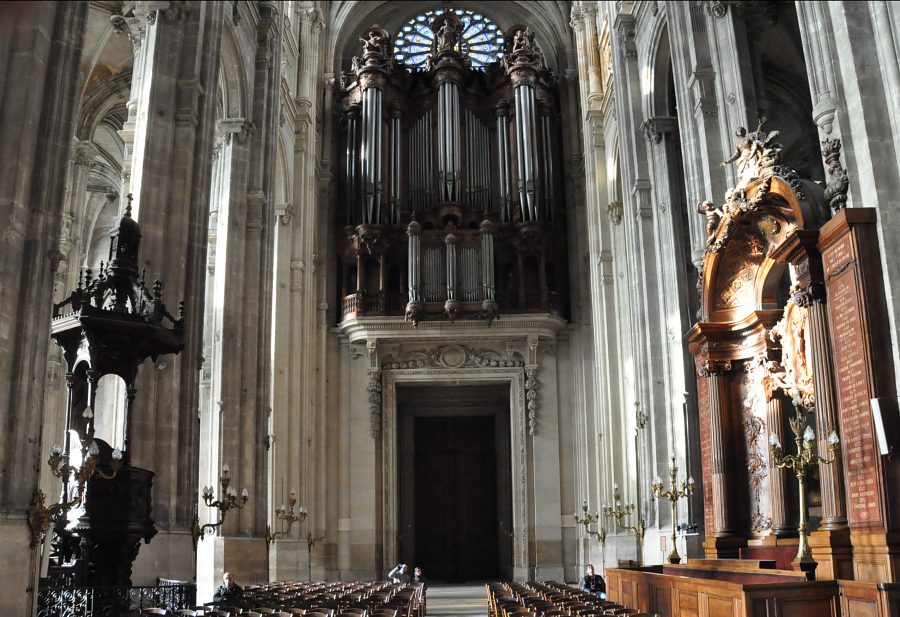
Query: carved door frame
x,y
515,377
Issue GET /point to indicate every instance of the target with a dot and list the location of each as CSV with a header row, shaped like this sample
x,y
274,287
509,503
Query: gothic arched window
x,y
482,39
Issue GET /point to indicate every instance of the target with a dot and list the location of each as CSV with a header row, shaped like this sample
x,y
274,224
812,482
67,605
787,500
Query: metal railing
x,y
112,601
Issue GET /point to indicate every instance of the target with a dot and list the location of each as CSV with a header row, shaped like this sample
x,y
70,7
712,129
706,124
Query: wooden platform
x,y
734,588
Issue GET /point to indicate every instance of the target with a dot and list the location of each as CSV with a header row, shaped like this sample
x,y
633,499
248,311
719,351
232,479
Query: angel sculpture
x,y
767,151
446,36
743,150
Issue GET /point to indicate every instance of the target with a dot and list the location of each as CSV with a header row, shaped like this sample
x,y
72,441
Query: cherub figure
x,y
713,216
523,40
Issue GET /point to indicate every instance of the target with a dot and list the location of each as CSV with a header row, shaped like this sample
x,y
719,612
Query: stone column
x,y
171,169
818,51
583,21
42,45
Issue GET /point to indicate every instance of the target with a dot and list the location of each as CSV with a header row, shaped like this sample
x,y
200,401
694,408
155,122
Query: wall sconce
x,y
620,511
229,500
312,540
589,519
40,516
801,463
673,494
640,416
286,514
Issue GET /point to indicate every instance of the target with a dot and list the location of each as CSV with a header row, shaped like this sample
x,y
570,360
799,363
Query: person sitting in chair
x,y
593,583
229,591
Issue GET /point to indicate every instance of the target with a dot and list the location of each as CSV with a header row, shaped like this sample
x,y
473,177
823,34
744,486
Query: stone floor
x,y
457,600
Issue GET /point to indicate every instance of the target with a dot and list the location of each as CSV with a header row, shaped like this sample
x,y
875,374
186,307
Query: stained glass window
x,y
481,40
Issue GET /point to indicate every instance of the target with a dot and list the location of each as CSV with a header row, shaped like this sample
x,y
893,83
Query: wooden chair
x,y
155,611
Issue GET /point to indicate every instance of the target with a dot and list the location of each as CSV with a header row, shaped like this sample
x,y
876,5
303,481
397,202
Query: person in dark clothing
x,y
593,583
229,591
418,577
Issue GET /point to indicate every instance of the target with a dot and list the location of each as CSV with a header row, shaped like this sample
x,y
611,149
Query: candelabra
x,y
673,494
229,500
286,514
620,511
589,519
40,516
801,462
586,521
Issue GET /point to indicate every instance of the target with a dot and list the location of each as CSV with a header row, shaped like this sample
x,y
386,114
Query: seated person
x,y
418,577
229,591
593,583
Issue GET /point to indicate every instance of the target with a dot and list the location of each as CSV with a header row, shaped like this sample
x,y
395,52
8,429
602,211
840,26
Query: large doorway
x,y
455,490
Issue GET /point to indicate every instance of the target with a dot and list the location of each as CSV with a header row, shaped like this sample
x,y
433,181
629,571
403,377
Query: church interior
x,y
300,290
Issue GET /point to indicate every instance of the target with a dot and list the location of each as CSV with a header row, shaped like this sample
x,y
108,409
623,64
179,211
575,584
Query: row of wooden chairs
x,y
315,599
552,599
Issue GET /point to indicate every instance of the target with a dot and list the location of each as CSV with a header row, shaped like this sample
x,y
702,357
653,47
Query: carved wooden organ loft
x,y
450,186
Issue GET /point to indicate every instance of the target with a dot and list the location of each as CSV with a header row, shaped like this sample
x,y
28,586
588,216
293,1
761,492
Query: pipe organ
x,y
449,183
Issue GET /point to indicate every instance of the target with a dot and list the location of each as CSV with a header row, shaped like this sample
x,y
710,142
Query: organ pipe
x,y
503,160
448,145
352,164
394,188
526,151
548,164
451,266
371,154
414,261
487,261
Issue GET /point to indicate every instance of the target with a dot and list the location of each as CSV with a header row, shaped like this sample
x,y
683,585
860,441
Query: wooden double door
x,y
455,501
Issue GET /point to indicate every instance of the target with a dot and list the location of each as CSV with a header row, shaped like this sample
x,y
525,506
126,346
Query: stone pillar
x,y
42,46
298,453
818,51
583,21
171,169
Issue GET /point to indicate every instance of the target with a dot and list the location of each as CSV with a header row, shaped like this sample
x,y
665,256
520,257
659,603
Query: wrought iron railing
x,y
112,601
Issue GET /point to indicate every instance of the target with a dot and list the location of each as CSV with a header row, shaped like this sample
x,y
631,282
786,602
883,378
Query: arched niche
x,y
739,275
109,410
